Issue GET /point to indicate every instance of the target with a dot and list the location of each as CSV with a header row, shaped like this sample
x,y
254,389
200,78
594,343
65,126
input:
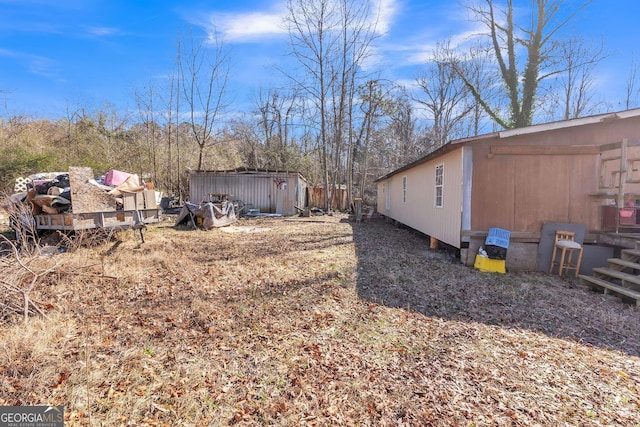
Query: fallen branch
x,y
17,310
25,293
28,301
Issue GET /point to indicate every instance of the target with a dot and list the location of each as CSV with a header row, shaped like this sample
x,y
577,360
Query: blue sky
x,y
67,54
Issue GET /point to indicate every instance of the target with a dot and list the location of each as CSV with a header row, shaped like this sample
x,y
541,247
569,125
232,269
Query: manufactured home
x,y
268,191
582,172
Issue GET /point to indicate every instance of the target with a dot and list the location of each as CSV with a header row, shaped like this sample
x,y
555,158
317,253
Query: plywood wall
x,y
523,192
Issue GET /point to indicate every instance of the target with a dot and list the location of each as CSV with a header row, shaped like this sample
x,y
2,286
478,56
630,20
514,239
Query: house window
x,y
387,202
439,186
404,189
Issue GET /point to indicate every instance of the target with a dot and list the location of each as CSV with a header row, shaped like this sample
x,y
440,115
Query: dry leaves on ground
x,y
316,321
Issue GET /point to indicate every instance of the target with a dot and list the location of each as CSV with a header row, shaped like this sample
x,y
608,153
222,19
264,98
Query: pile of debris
x,y
79,200
48,193
53,192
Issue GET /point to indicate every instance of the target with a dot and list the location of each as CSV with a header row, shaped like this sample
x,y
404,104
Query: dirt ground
x,y
309,321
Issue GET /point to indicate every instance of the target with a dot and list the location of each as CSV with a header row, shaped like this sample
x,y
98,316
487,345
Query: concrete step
x,y
611,287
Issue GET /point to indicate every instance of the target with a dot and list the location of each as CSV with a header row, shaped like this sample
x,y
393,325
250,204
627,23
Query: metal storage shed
x,y
269,191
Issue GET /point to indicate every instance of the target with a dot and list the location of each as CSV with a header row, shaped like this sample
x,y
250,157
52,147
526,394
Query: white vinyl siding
x,y
419,211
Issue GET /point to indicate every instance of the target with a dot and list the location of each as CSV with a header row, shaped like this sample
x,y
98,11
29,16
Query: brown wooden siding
x,y
523,181
315,197
521,192
518,181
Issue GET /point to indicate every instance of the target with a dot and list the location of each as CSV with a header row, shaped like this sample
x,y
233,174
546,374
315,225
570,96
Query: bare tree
x,y
330,40
275,110
573,94
631,88
478,69
402,132
307,24
357,31
245,130
397,139
168,98
114,147
373,105
521,73
145,102
175,79
444,95
204,73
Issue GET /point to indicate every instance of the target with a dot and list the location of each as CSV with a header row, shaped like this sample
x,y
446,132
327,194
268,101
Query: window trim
x,y
438,194
404,189
387,198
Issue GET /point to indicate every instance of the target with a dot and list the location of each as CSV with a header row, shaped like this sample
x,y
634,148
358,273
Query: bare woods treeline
x,y
165,152
333,117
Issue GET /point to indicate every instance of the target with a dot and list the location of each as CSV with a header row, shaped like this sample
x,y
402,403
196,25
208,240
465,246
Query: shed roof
x,y
539,128
246,171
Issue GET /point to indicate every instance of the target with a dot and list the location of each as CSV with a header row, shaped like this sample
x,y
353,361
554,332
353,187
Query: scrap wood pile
x,y
76,191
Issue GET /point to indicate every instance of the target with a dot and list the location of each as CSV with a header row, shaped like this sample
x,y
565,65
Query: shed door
x,y
284,196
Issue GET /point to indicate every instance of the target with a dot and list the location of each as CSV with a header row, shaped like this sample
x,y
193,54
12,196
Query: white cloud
x,y
373,60
448,25
386,10
408,83
419,54
249,26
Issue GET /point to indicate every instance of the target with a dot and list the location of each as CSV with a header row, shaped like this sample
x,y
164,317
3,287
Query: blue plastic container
x,y
498,237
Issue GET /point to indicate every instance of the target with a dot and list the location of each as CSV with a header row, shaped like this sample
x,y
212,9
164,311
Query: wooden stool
x,y
565,242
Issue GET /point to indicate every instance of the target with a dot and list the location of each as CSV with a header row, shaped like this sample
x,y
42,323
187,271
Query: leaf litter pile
x,y
317,321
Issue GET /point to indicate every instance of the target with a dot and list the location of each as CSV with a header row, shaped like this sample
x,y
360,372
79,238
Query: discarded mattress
x,y
206,215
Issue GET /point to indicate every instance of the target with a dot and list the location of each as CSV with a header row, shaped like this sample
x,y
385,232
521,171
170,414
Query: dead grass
x,y
294,322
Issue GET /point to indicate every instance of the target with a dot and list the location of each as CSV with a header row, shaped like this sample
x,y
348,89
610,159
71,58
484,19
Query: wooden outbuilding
x,y
315,197
583,172
268,191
